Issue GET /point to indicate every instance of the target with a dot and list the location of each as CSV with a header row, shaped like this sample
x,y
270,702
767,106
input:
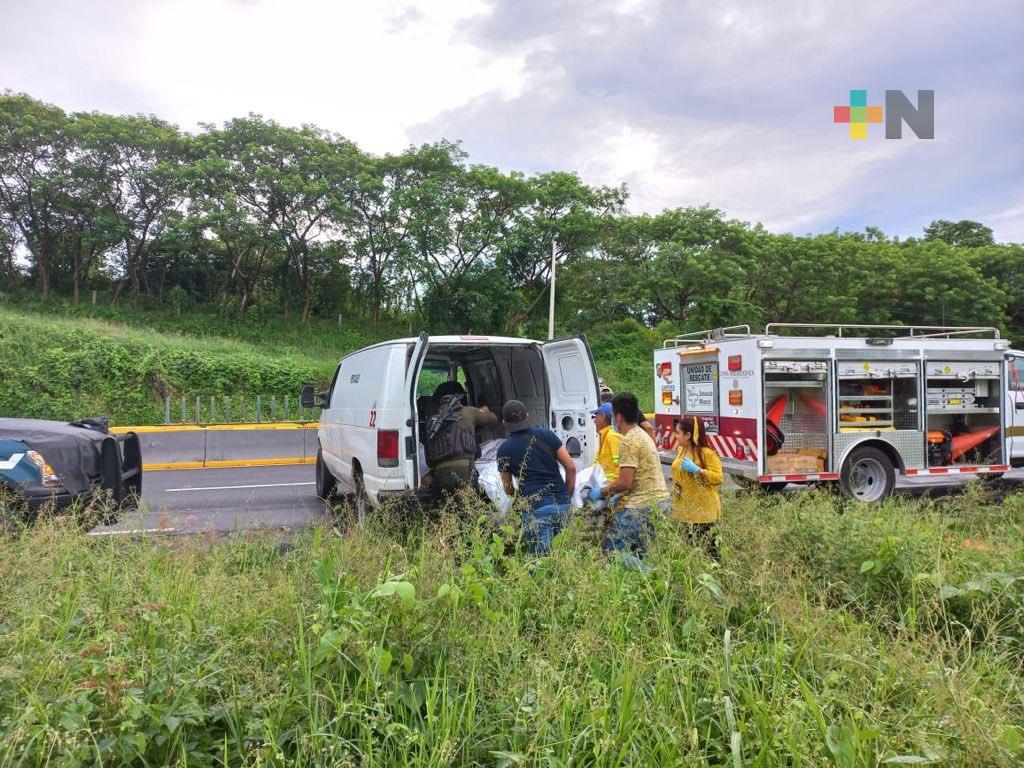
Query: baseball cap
x,y
515,416
605,410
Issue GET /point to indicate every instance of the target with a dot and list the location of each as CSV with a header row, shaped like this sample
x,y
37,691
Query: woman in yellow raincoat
x,y
696,475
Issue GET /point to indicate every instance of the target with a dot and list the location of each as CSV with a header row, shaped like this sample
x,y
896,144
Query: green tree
x,y
940,285
289,181
559,209
459,216
240,235
94,228
1004,266
33,177
140,160
684,267
377,224
959,234
8,263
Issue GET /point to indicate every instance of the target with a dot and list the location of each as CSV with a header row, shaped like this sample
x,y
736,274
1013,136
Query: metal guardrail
x,y
237,409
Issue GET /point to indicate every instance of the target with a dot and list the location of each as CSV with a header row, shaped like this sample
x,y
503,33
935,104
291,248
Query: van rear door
x,y
573,394
409,434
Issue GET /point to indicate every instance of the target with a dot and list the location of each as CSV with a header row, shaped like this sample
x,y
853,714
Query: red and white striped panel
x,y
743,448
959,470
798,478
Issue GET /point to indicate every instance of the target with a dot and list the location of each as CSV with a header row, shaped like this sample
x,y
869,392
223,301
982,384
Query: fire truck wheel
x,y
868,475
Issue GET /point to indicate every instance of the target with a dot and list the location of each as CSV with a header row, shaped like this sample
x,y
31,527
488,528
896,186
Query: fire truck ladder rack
x,y
696,338
916,331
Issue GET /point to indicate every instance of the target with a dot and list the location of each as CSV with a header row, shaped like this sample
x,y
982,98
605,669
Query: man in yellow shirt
x,y
641,482
607,442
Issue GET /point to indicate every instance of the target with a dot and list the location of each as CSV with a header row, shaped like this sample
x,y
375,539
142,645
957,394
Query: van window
x,y
430,377
574,376
486,384
1016,381
332,399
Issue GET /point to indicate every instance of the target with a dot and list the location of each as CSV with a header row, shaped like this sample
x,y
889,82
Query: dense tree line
x,y
303,222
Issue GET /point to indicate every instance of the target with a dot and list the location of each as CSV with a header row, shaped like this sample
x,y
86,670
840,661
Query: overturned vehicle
x,y
54,463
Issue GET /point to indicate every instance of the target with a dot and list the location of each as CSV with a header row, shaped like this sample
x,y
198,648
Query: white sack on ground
x,y
490,482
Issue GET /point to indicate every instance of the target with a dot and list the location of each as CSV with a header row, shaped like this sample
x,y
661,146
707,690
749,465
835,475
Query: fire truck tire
x,y
774,487
868,475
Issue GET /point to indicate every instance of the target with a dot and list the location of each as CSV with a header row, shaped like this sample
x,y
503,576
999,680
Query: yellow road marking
x,y
229,463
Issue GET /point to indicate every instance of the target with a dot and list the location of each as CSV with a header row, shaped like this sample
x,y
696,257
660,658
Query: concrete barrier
x,y
225,445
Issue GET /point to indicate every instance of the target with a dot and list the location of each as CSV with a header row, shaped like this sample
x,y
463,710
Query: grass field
x,y
834,634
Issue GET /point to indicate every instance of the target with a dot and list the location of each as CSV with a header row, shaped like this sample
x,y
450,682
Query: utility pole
x,y
551,299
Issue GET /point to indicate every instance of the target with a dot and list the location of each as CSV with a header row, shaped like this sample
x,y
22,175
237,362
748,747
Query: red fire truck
x,y
853,404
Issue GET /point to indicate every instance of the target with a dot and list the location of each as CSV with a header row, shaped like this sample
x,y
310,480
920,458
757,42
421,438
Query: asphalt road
x,y
280,498
223,501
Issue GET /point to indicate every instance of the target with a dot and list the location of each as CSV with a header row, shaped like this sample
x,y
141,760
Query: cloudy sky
x,y
727,103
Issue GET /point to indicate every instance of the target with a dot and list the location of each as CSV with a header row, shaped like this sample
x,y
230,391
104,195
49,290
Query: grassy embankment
x,y
889,634
61,362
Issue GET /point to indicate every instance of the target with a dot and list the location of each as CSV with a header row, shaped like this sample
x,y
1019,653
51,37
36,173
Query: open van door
x,y
573,394
410,433
1014,408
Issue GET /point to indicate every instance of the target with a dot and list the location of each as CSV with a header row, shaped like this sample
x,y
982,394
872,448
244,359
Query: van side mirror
x,y
310,398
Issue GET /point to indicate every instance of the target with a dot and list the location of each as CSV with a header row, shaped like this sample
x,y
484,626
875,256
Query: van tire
x,y
360,501
868,475
326,483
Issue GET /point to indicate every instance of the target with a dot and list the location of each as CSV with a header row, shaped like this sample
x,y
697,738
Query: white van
x,y
380,397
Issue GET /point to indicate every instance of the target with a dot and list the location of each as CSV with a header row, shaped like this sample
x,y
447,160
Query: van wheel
x,y
326,483
868,475
360,501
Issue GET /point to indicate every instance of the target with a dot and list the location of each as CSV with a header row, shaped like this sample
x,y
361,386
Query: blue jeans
x,y
630,531
541,524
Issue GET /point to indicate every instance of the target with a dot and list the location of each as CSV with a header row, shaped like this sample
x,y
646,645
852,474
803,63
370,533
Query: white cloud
x,y
367,70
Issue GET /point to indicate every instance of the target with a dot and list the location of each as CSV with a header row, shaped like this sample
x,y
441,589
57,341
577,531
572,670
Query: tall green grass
x,y
881,635
57,368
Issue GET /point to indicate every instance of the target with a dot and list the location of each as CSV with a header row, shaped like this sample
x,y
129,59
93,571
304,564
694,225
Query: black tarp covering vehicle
x,y
56,462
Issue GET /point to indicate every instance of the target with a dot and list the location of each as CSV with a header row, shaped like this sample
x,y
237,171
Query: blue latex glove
x,y
594,494
688,466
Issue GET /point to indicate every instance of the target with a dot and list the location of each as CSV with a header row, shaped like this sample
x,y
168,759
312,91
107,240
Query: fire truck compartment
x,y
796,416
880,399
963,413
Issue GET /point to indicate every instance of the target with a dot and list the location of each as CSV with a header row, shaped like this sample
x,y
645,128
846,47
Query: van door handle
x,y
1020,405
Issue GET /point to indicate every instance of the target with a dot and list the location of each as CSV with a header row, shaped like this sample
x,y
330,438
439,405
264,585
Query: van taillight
x,y
387,447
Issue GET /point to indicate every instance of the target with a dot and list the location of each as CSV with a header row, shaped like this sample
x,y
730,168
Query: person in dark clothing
x,y
452,474
532,455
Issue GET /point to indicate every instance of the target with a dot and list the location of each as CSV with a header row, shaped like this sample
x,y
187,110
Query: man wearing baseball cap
x,y
641,483
532,455
607,442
